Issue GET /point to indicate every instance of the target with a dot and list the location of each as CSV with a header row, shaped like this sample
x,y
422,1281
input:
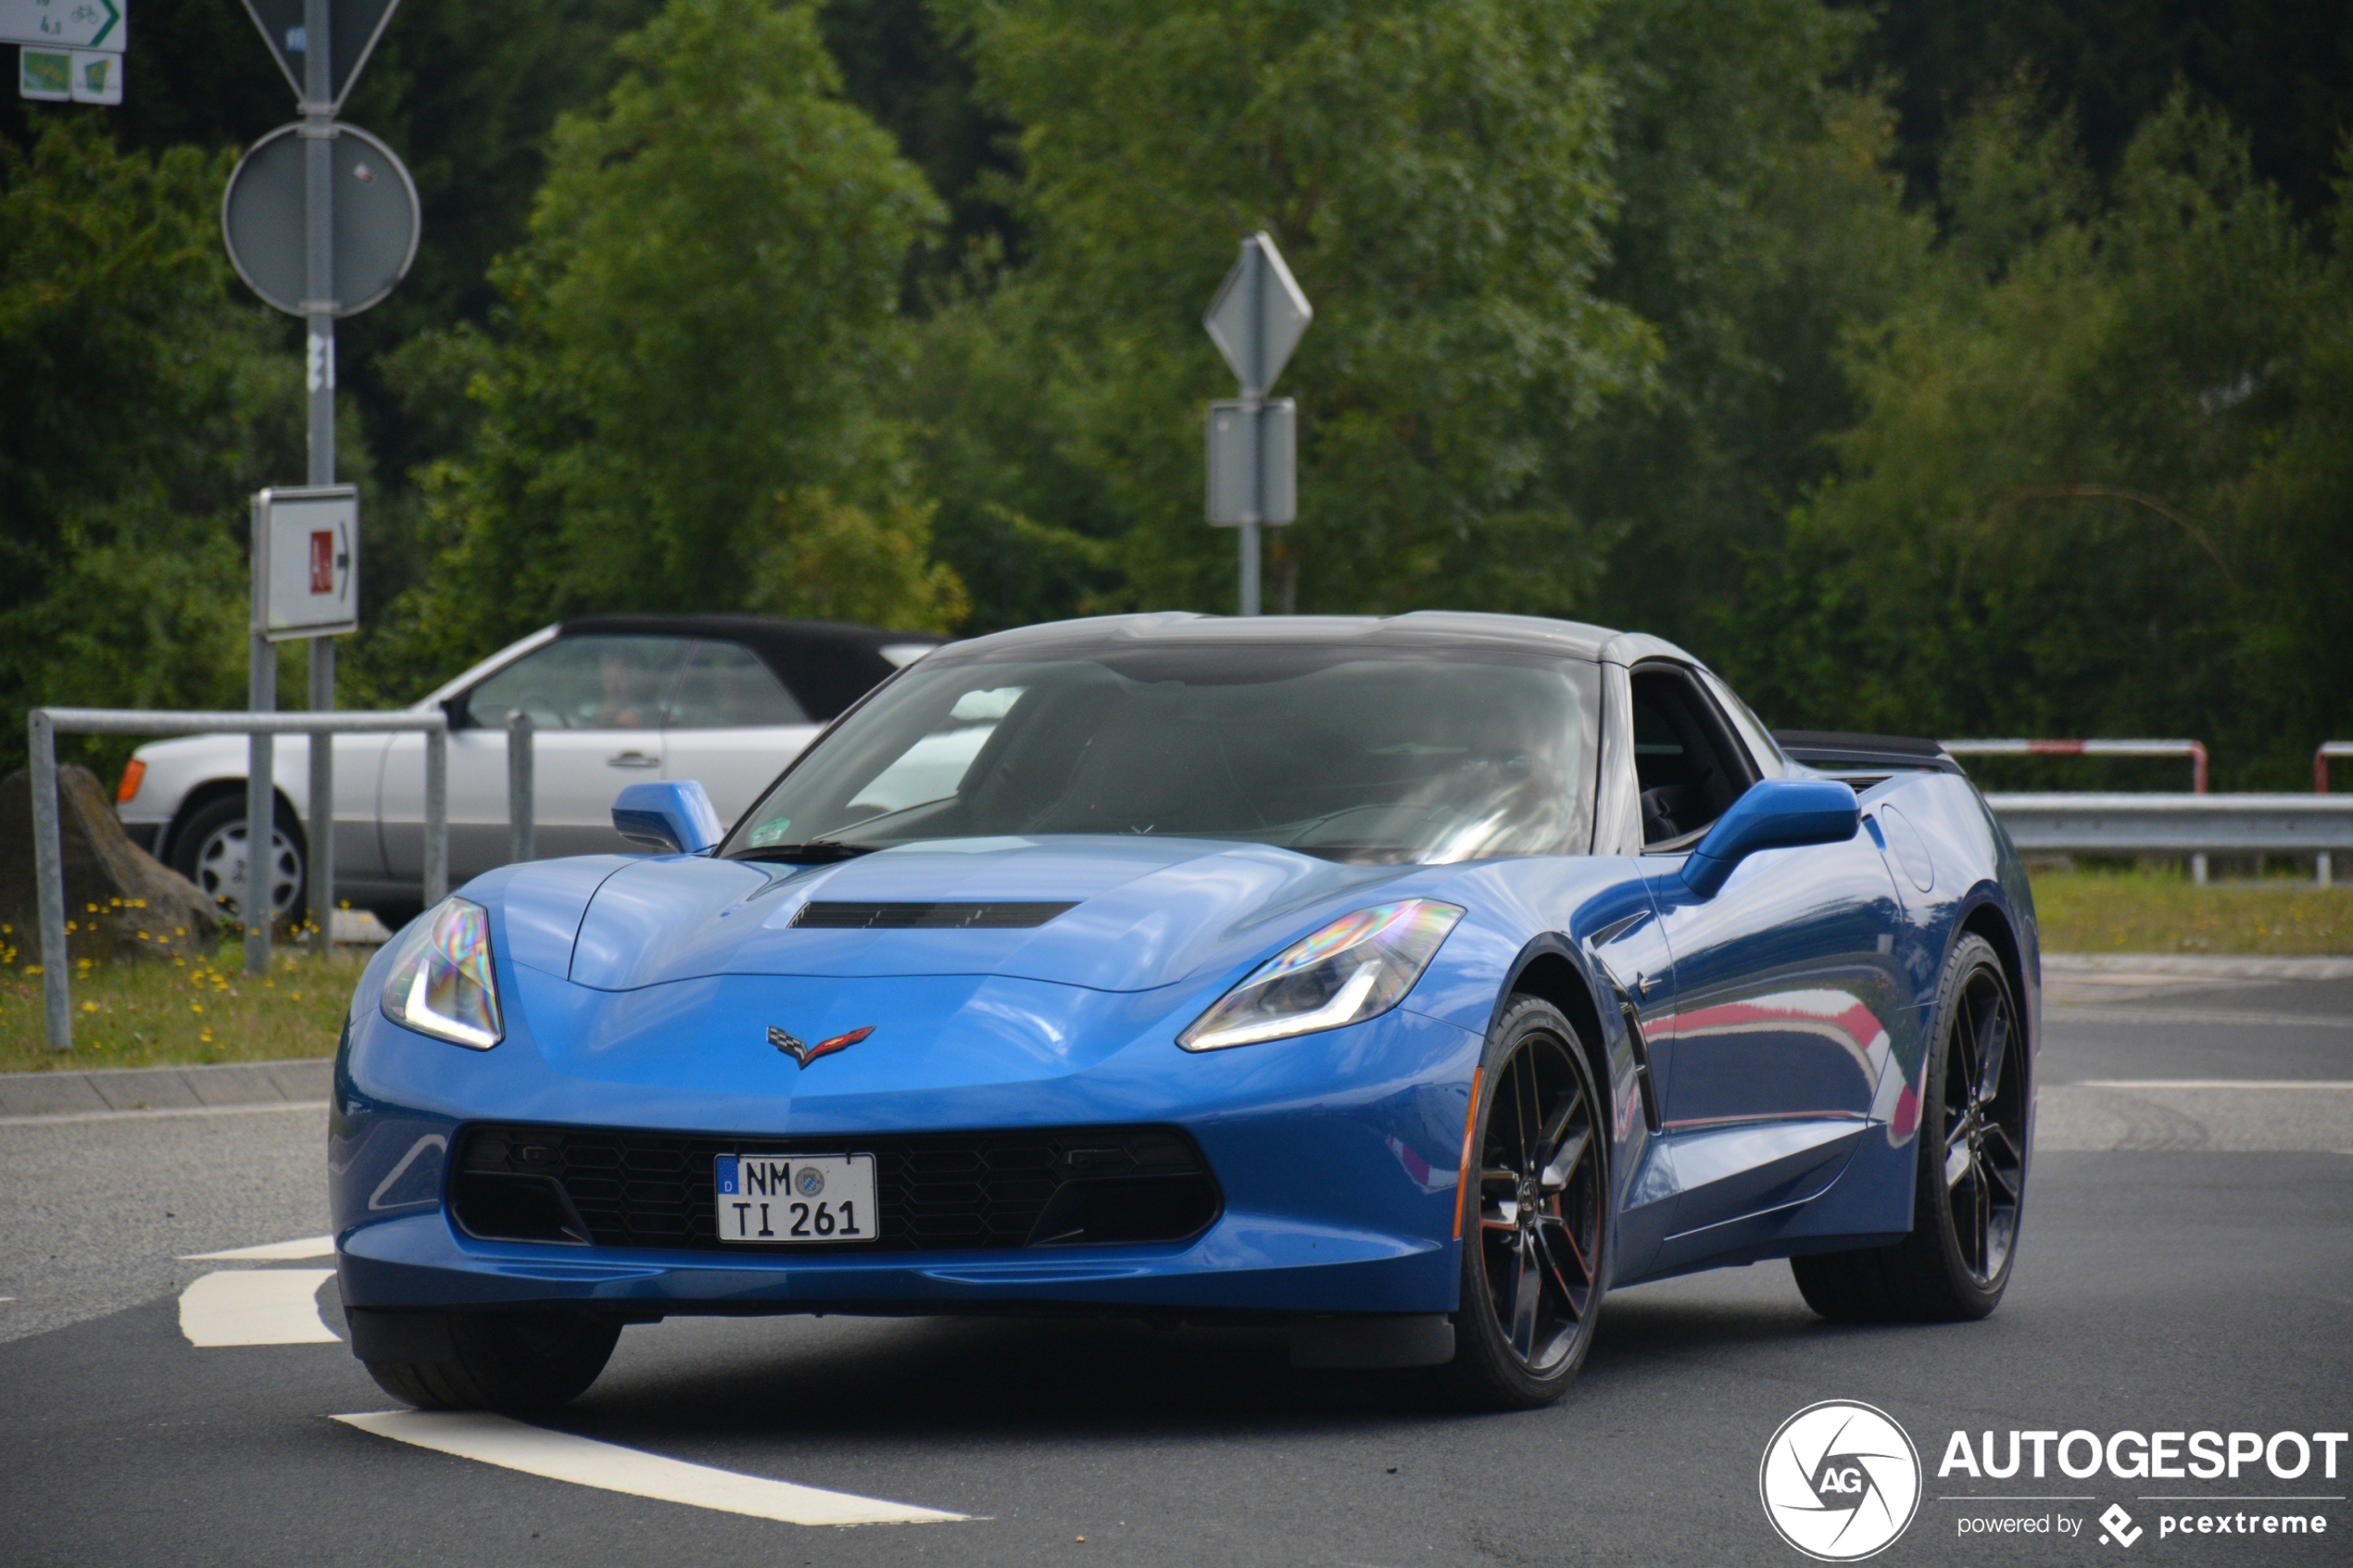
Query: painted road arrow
x,y
64,24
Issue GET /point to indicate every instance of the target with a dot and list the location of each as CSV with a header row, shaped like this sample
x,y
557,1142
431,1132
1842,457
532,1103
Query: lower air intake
x,y
939,1192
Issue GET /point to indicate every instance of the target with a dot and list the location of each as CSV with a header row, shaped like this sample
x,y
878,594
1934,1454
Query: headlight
x,y
442,983
1356,967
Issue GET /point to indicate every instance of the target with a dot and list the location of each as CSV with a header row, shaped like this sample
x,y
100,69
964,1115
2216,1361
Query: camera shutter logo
x,y
1840,1481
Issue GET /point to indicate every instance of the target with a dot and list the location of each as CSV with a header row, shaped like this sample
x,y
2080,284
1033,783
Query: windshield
x,y
1376,756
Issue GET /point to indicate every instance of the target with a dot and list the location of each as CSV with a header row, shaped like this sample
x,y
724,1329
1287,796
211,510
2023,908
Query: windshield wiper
x,y
816,852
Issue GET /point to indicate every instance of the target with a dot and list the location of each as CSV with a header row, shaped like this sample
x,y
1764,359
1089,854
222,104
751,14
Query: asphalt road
x,y
2188,1263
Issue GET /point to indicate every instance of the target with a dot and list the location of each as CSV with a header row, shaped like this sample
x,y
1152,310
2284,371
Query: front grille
x,y
939,1192
821,914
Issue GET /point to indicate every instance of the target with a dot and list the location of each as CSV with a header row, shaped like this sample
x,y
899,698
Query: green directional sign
x,y
65,24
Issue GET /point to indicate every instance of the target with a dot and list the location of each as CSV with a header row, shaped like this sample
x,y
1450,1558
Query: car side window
x,y
1762,747
724,687
1688,763
584,684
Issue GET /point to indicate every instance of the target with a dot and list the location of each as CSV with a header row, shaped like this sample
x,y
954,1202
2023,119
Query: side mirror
x,y
1774,814
676,816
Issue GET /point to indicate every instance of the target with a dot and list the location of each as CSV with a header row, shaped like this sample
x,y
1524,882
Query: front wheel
x,y
209,850
484,1361
1536,1237
1970,1182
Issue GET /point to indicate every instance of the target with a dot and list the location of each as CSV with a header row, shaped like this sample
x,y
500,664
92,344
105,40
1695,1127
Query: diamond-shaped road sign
x,y
1258,316
353,27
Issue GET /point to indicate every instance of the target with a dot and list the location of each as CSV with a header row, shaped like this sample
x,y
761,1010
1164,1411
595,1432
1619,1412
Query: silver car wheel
x,y
221,869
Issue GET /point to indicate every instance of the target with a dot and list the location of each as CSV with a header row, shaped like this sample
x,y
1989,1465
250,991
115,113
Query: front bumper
x,y
1335,1154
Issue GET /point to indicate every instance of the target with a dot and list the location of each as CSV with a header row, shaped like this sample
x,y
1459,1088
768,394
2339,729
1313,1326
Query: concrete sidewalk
x,y
166,1088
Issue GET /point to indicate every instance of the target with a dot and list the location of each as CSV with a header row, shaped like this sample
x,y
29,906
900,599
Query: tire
x,y
491,1360
208,849
1969,1181
1535,1246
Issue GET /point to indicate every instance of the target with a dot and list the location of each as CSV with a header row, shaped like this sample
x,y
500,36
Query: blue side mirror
x,y
1774,814
676,816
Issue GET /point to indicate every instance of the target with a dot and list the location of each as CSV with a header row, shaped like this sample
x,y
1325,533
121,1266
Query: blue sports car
x,y
1407,983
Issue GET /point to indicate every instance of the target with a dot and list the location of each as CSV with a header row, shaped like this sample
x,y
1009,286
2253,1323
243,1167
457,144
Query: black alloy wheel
x,y
1969,1177
1985,1126
1534,1270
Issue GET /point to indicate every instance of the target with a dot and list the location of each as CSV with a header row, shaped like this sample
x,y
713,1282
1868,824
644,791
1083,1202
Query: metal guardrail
x,y
2320,826
45,724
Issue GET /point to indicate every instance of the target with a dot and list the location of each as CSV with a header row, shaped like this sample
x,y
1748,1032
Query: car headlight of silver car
x,y
441,981
1358,966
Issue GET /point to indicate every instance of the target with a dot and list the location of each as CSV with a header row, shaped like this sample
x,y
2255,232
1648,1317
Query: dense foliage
x,y
1934,369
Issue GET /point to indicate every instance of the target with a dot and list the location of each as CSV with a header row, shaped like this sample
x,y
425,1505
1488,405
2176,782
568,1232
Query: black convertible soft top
x,y
826,665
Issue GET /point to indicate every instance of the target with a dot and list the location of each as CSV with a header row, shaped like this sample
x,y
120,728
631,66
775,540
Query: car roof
x,y
826,665
1425,628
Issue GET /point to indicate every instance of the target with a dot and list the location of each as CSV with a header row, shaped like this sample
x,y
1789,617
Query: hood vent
x,y
926,917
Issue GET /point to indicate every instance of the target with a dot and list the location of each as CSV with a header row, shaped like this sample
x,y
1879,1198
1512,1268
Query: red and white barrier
x,y
2193,750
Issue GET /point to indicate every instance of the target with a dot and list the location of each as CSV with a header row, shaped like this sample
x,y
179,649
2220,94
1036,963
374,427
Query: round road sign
x,y
375,219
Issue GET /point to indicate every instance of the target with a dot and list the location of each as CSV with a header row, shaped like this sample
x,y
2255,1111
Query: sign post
x,y
1255,321
293,246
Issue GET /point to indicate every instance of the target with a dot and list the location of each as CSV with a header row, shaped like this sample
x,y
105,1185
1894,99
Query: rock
x,y
119,901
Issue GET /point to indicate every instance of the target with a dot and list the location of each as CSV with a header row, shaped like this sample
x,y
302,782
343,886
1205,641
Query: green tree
x,y
1437,176
2096,485
679,402
1757,229
141,401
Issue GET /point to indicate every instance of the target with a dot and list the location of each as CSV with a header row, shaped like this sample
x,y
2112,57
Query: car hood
x,y
1144,912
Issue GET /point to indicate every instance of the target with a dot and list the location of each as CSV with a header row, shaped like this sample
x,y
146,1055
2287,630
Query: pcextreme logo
x,y
1840,1481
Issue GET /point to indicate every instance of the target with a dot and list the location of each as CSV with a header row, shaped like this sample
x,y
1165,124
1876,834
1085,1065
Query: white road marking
x,y
560,1456
2209,1084
268,1252
2094,1012
254,1307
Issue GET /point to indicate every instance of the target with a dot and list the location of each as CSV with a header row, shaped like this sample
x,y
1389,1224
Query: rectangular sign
x,y
1254,467
307,567
66,24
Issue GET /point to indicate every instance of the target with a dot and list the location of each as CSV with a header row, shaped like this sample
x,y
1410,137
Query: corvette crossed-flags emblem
x,y
804,1053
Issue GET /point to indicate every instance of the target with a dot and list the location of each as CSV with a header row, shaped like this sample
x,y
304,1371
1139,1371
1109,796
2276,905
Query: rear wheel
x,y
486,1361
1971,1179
209,850
1535,1264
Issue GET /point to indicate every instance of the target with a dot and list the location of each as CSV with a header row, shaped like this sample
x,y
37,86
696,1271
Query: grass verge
x,y
148,1012
2137,912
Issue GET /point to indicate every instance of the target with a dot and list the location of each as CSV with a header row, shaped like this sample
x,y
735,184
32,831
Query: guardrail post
x,y
49,875
521,823
436,815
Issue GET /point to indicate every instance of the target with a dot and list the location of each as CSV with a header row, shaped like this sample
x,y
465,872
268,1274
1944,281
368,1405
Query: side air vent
x,y
926,917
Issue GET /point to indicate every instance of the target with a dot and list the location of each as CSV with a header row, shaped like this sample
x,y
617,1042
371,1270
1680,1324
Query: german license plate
x,y
788,1199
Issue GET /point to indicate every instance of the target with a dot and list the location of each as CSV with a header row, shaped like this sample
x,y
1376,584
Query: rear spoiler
x,y
1835,750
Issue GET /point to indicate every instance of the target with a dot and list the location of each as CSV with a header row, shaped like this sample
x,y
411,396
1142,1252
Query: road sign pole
x,y
1253,282
319,259
1255,321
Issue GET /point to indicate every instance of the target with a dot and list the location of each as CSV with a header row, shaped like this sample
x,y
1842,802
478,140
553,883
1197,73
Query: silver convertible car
x,y
616,699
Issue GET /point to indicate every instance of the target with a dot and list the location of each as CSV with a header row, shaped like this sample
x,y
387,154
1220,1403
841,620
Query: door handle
x,y
633,760
1645,983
